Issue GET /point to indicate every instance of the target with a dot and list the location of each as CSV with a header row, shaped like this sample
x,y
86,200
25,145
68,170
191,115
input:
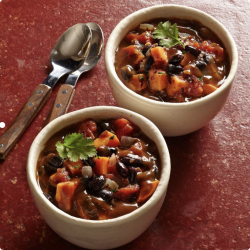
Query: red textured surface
x,y
207,204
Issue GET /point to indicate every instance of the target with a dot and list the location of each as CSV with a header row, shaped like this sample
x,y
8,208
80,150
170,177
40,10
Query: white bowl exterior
x,y
99,234
172,119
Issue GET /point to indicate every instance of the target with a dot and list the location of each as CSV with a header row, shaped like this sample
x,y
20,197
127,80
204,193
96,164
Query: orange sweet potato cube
x,y
133,55
65,192
75,168
137,83
177,83
208,89
146,190
101,165
107,138
158,79
159,54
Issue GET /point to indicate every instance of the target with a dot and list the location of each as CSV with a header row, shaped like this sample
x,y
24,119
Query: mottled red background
x,y
207,203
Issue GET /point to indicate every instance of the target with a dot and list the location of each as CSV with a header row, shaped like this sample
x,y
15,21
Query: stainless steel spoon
x,y
67,90
68,54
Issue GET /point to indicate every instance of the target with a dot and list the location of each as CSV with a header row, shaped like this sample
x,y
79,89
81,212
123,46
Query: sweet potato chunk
x,y
133,55
177,83
107,138
158,79
147,189
159,54
137,82
64,194
75,168
208,89
60,176
101,165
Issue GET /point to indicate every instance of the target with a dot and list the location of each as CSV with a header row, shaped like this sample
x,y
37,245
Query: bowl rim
x,y
37,192
114,36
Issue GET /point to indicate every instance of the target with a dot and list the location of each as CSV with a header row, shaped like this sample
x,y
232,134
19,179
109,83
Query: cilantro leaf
x,y
167,34
76,147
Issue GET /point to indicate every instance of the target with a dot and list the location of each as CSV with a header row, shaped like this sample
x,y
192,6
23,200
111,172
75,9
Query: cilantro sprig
x,y
167,34
76,147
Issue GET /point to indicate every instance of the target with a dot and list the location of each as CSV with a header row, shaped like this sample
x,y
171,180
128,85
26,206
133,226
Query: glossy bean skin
x,y
174,69
97,183
176,59
129,161
122,169
106,195
193,50
132,175
201,65
53,163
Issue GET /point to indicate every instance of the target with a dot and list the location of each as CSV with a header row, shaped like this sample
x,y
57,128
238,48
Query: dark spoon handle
x,y
62,102
21,122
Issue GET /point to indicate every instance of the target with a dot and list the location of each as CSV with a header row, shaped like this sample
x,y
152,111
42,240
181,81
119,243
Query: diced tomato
x,y
145,37
124,127
75,168
128,130
87,128
213,48
128,193
120,123
65,192
194,89
147,189
60,176
142,38
190,41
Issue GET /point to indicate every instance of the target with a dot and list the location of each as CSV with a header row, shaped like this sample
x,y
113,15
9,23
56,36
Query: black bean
x,y
97,183
146,48
106,195
132,175
105,125
122,169
90,161
106,151
130,161
176,59
188,78
148,64
127,72
174,70
53,163
201,65
207,58
193,50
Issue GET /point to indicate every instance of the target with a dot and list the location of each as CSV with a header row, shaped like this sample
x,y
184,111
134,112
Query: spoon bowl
x,y
68,54
67,90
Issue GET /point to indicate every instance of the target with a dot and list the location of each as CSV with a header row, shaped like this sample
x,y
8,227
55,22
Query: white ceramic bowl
x,y
99,234
172,119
